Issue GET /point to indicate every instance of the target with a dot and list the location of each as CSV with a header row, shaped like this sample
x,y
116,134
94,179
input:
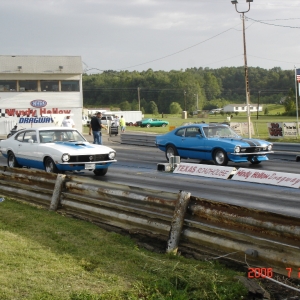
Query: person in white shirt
x,y
68,122
116,122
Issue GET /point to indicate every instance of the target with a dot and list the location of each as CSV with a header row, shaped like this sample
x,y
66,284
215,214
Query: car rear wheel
x,y
100,172
220,158
12,161
50,166
171,151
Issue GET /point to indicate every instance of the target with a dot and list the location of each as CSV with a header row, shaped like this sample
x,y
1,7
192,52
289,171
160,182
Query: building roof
x,y
36,64
240,105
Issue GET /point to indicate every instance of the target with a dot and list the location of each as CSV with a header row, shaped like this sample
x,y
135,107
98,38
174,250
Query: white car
x,y
55,150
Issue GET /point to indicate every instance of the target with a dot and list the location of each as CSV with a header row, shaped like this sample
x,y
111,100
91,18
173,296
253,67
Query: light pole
x,y
245,63
184,92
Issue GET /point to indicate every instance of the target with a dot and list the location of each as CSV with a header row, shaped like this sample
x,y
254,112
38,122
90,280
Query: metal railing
x,y
180,220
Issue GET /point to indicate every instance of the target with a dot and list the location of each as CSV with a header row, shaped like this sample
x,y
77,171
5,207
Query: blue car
x,y
217,142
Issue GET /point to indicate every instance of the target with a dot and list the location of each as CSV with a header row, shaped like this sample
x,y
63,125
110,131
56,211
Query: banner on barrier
x,y
204,170
268,177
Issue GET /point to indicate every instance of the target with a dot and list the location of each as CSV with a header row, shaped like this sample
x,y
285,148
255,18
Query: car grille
x,y
88,158
253,149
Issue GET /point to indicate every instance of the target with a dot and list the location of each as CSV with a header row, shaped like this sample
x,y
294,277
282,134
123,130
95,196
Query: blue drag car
x,y
217,142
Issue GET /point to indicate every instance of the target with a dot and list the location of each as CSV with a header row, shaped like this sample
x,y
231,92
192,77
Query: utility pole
x,y
184,92
245,63
139,99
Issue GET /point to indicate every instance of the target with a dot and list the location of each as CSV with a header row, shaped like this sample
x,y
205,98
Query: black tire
x,y
100,172
220,157
50,166
12,161
171,151
254,161
148,125
163,125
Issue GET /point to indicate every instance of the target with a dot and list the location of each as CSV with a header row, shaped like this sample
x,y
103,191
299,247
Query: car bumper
x,y
84,166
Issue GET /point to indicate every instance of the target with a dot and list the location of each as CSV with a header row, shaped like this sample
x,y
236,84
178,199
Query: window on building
x,y
49,86
70,86
8,85
28,85
236,108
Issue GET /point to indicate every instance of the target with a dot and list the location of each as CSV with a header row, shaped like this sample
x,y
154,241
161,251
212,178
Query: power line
x,y
169,55
262,22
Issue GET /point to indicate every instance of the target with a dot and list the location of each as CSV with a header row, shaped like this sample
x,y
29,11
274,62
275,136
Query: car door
x,y
27,148
193,143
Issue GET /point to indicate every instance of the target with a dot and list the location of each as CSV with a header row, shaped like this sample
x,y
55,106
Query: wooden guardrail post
x,y
177,221
57,191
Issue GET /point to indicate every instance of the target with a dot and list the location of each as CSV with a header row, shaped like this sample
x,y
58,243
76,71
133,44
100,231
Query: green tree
x,y
289,103
266,112
175,108
125,106
153,108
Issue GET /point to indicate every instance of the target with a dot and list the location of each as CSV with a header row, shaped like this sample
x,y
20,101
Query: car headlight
x,y
111,155
270,147
65,157
237,149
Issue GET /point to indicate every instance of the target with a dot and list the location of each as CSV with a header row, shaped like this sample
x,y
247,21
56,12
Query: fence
x,y
199,226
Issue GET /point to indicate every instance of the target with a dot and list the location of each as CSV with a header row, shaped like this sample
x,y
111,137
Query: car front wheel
x,y
220,158
148,125
163,125
12,161
50,166
171,151
100,172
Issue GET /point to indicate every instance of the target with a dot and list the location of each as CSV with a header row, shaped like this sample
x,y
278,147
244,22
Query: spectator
x,y
122,124
95,127
117,121
68,122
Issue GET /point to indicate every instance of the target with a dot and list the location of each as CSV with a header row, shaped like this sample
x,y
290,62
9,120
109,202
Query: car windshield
x,y
219,131
61,135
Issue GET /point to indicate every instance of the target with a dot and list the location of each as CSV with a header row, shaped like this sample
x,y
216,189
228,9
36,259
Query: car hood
x,y
78,148
243,142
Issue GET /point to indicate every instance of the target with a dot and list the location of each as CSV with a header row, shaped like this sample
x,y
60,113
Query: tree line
x,y
190,89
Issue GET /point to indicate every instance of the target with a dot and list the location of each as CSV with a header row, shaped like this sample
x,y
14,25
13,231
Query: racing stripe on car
x,y
251,142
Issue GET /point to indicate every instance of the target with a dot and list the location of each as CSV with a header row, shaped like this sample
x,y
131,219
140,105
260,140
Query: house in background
x,y
233,108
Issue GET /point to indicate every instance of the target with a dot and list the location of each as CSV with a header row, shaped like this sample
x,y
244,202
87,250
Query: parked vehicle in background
x,y
56,150
85,120
152,123
131,117
217,142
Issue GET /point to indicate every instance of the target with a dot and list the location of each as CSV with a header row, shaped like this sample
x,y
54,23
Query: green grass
x,y
45,255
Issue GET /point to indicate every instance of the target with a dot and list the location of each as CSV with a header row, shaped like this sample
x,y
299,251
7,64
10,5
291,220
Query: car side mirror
x,y
30,141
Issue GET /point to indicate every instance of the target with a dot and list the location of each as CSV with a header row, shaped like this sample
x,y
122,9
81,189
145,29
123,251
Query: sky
x,y
154,34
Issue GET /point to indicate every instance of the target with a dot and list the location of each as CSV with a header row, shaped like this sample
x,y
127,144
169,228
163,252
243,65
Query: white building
x,y
232,108
39,91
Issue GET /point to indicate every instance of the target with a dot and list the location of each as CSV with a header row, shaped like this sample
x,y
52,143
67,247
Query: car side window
x,y
192,132
180,132
19,137
29,135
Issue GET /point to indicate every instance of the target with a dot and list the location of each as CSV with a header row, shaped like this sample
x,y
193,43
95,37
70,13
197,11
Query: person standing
x,y
116,121
95,127
122,124
68,122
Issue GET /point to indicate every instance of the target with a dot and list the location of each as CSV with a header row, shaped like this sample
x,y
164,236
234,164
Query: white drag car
x,y
56,150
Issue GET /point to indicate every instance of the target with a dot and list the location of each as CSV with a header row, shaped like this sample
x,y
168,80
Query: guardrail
x,y
195,225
